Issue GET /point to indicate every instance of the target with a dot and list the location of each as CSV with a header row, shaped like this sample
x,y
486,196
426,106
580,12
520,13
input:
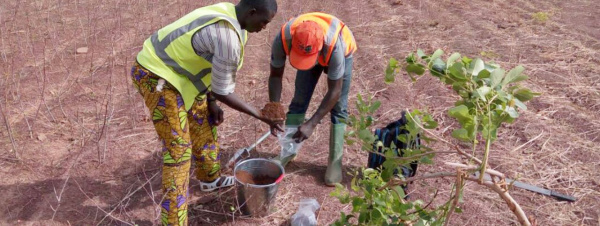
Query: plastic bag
x,y
306,213
289,147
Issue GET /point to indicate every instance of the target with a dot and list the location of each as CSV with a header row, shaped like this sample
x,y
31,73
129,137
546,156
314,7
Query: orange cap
x,y
307,42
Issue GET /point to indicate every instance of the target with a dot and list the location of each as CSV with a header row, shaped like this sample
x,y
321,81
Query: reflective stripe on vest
x,y
160,47
334,29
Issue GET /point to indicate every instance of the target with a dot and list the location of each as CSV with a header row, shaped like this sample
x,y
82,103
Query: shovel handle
x,y
259,140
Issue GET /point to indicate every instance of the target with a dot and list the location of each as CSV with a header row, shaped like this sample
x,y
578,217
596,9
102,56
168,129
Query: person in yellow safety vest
x,y
315,42
181,71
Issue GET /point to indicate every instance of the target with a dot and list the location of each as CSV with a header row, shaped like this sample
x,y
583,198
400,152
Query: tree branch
x,y
471,157
510,202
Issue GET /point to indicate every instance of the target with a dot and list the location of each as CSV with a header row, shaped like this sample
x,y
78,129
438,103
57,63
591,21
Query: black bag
x,y
385,136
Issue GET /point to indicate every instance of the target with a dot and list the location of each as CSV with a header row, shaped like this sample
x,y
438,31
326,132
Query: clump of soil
x,y
273,111
247,178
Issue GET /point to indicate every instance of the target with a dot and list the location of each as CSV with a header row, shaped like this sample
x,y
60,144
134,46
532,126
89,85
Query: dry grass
x,y
60,109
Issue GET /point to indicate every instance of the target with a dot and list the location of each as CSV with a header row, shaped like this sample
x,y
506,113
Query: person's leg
x,y
305,84
206,148
170,121
339,114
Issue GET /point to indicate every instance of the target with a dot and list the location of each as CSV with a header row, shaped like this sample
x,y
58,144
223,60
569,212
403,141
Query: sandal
x,y
211,186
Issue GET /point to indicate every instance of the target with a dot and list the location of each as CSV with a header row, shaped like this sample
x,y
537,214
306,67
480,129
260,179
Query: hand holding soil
x,y
273,111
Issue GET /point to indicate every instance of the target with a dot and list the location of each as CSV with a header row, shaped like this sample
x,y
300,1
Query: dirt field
x,y
88,154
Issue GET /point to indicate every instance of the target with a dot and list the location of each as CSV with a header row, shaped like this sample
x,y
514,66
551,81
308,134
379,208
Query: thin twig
x,y
523,145
97,206
126,197
59,197
9,130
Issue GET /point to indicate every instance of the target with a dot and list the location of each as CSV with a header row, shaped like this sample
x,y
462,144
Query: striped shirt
x,y
219,44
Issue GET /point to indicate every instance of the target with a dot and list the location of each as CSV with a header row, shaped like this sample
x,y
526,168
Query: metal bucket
x,y
257,181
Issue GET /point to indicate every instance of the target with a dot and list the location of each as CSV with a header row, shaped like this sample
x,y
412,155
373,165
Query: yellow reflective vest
x,y
168,53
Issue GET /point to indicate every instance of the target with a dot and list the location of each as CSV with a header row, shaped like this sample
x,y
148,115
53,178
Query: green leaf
x,y
418,69
482,91
393,63
389,78
457,72
429,122
466,60
483,74
460,112
477,67
438,70
452,59
366,135
390,71
491,66
514,75
363,217
496,77
502,96
437,54
375,106
357,202
512,112
359,101
377,214
420,53
461,134
525,94
458,86
490,130
458,210
520,104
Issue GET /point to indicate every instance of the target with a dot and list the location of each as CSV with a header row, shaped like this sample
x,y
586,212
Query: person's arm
x,y
232,100
332,96
223,40
278,58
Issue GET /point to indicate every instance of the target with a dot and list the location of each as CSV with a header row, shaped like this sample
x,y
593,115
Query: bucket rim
x,y
235,169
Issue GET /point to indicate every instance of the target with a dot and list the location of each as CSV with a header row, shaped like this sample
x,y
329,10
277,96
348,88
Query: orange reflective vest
x,y
332,27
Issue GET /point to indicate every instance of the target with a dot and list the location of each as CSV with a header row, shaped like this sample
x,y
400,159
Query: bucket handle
x,y
279,178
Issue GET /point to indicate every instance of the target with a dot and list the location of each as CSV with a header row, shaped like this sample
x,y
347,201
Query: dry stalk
x,y
467,167
127,197
459,186
59,197
512,204
97,206
9,130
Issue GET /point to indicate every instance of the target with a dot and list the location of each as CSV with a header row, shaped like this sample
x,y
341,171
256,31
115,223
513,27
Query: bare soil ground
x,y
77,146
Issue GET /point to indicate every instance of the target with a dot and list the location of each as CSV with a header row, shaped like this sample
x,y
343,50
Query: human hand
x,y
216,112
304,132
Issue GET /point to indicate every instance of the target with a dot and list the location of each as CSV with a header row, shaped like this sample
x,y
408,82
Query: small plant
x,y
489,54
488,97
540,17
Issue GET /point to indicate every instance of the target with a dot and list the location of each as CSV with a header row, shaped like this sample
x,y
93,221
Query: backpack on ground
x,y
384,138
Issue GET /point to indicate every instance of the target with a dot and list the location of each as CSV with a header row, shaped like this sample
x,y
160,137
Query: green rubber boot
x,y
291,120
333,174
